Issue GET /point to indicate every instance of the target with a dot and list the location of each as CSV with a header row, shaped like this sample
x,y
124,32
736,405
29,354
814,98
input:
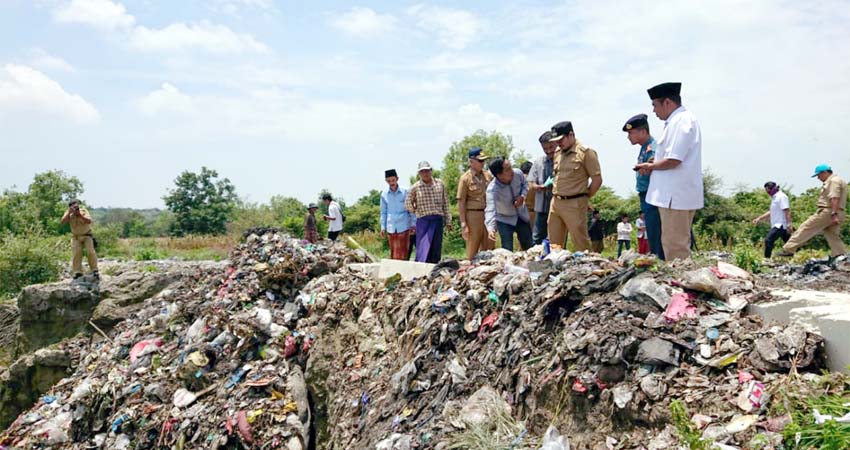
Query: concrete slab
x,y
810,316
780,310
369,269
407,269
825,313
835,330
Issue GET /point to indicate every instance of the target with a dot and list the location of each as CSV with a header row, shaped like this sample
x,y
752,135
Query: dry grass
x,y
187,247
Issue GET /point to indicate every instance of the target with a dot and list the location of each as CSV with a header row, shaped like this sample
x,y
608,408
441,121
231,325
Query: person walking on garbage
x,y
471,199
637,129
643,243
828,217
573,165
596,231
779,214
81,238
624,235
675,184
540,181
334,217
396,221
311,226
506,211
429,202
525,168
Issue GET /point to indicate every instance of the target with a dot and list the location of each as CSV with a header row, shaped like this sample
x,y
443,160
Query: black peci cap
x,y
664,90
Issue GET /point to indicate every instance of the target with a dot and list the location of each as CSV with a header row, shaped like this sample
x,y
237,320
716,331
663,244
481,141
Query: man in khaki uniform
x,y
81,237
471,201
828,218
571,193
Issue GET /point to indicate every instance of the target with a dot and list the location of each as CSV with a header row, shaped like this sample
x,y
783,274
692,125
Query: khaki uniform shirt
x,y
573,167
833,187
473,189
78,226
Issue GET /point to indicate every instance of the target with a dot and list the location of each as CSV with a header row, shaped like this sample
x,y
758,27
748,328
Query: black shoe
x,y
784,254
78,275
96,275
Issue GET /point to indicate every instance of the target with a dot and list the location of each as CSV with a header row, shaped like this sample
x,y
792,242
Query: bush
x,y
29,258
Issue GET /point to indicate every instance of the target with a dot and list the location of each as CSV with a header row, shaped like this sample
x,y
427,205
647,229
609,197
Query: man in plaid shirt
x,y
429,202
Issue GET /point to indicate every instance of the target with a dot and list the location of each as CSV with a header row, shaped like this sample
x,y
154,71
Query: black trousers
x,y
333,235
772,235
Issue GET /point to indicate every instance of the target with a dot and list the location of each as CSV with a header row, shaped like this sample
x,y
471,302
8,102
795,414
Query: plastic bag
x,y
553,440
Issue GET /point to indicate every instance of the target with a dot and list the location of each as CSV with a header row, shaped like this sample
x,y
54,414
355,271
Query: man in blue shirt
x,y
396,221
506,210
637,129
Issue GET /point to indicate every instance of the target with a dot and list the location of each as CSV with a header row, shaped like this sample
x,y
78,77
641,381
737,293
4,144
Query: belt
x,y
570,197
479,210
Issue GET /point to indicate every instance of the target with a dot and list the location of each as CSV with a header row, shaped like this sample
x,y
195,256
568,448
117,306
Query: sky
x,y
288,98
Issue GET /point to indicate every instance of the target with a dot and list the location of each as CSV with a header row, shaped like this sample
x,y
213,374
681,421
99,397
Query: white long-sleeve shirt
x,y
679,187
624,231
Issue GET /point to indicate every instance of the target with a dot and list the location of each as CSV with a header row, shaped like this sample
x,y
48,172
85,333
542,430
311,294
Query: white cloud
x,y
177,37
103,14
40,59
455,28
24,89
166,99
204,35
363,21
233,7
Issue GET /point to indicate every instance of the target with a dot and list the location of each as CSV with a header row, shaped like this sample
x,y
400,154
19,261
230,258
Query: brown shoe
x,y
784,254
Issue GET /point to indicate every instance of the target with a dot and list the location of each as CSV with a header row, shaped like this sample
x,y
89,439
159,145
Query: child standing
x,y
624,235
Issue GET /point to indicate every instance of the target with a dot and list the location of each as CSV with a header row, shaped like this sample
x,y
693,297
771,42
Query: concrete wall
x,y
825,313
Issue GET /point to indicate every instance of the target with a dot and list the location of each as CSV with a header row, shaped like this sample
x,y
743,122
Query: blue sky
x,y
290,97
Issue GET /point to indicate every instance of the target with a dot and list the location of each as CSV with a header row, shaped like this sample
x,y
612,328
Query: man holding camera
x,y
81,237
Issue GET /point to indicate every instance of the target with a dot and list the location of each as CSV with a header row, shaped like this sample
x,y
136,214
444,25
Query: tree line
x,y
202,203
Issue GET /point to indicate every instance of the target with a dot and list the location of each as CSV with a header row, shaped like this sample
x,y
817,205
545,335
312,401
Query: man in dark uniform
x,y
638,134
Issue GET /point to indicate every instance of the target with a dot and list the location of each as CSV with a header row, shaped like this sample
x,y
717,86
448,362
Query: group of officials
x,y
550,198
493,197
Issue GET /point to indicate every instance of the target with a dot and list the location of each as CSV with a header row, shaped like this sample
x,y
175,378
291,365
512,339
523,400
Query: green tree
x,y
48,196
365,214
456,161
15,216
201,203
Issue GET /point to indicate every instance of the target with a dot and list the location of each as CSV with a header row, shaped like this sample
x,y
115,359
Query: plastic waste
x,y
196,331
645,288
821,419
741,423
680,308
553,440
56,430
143,348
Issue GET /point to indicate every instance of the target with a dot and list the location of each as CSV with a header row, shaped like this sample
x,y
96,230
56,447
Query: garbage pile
x,y
489,355
209,366
293,348
814,273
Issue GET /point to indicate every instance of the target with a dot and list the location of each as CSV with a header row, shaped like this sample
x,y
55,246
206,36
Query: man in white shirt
x,y
675,186
780,217
334,217
624,235
643,242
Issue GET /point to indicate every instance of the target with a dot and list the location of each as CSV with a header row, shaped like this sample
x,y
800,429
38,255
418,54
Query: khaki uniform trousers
x,y
819,222
78,243
569,217
676,238
478,240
